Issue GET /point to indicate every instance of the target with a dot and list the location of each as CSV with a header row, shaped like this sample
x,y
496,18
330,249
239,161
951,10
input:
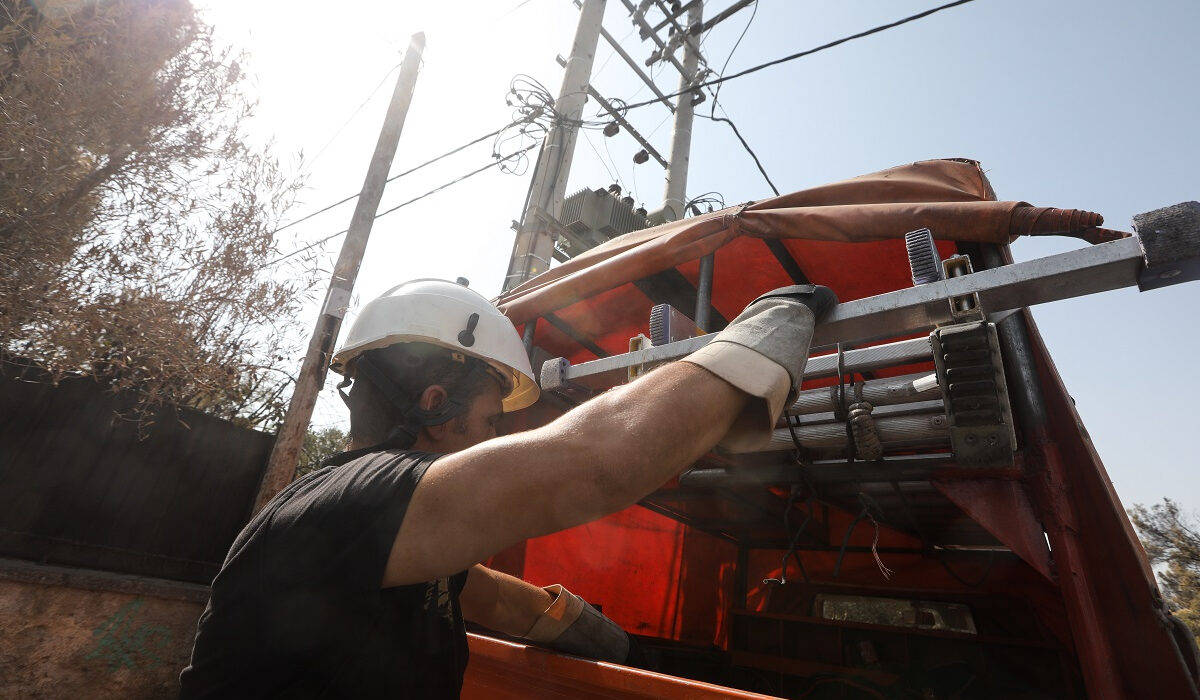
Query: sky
x,y
1066,103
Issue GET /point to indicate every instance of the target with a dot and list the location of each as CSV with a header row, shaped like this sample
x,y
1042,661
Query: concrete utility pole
x,y
281,468
681,136
534,244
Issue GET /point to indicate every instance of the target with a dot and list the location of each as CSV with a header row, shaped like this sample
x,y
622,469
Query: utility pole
x,y
681,135
281,468
534,244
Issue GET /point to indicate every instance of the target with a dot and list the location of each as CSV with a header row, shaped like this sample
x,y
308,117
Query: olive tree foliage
x,y
135,219
1172,538
319,445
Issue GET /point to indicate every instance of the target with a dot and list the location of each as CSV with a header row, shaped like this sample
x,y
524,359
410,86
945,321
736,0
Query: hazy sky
x,y
1069,103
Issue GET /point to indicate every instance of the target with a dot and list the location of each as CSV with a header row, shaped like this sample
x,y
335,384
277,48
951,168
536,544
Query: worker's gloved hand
x,y
763,352
571,625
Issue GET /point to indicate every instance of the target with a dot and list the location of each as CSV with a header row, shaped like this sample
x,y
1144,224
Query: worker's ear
x,y
433,398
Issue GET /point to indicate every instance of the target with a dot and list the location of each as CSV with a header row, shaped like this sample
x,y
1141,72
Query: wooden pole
x,y
281,468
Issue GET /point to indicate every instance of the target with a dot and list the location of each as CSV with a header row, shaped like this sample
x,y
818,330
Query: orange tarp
x,y
951,197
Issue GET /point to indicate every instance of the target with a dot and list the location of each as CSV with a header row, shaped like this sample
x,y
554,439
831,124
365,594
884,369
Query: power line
x,y
353,114
455,181
496,162
746,146
802,54
447,154
712,114
614,178
506,14
729,58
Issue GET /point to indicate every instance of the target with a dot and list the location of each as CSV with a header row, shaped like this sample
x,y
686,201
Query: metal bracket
x,y
971,373
964,307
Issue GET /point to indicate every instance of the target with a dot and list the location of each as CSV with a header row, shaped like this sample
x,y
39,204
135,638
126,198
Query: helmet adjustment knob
x,y
467,335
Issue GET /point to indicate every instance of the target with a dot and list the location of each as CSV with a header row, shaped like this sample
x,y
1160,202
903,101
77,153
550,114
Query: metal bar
x,y
704,292
670,16
641,22
919,405
680,31
852,549
671,287
724,15
1098,268
527,337
786,261
904,468
616,46
1095,653
879,392
628,127
1090,270
609,371
708,526
575,335
919,430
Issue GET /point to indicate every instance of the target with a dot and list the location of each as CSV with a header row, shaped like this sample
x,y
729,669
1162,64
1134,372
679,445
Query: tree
x,y
1171,538
319,444
135,219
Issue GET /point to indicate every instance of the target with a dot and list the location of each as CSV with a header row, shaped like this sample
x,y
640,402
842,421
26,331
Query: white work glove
x,y
763,352
572,626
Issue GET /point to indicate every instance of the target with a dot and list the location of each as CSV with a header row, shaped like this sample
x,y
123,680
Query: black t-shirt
x,y
297,610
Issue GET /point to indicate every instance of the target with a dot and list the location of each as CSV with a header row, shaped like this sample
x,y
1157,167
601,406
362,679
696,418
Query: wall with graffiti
x,y
64,641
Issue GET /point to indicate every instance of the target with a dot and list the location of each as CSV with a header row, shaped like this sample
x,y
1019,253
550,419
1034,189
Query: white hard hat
x,y
448,315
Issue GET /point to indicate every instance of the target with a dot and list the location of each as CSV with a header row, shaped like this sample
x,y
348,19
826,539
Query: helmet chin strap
x,y
413,418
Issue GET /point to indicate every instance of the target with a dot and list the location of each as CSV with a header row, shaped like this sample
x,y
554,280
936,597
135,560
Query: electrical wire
x,y
615,178
795,541
715,198
712,115
660,125
519,6
808,52
455,181
728,58
616,167
431,161
596,73
534,104
738,134
493,164
353,114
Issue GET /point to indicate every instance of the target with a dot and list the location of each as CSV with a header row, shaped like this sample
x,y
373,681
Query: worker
x,y
355,581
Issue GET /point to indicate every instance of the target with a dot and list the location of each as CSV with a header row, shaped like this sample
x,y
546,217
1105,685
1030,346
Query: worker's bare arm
x,y
599,458
501,602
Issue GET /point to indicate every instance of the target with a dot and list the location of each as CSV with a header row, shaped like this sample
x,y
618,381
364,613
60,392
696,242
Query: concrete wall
x,y
71,633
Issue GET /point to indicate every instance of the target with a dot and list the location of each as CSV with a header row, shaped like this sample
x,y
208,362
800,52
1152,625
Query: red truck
x,y
931,519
